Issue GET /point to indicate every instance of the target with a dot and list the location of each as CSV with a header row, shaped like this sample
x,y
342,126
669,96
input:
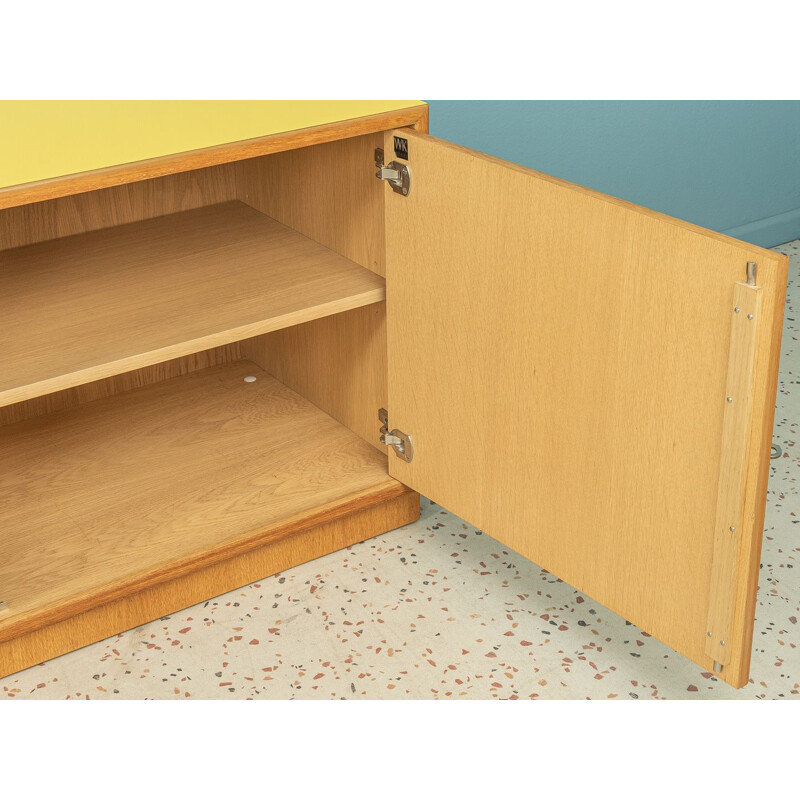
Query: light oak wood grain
x,y
122,493
767,363
210,156
86,307
734,457
117,205
130,507
338,363
559,358
329,193
284,546
132,202
85,393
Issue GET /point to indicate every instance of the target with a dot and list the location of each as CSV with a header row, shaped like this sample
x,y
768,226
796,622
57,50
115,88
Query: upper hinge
x,y
398,175
400,442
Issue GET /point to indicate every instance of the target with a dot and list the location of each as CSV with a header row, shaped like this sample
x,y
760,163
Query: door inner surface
x,y
562,361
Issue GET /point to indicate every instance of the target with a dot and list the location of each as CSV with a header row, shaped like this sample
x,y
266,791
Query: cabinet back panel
x,y
104,208
77,395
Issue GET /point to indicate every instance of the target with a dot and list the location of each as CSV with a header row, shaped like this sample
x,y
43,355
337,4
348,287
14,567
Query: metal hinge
x,y
399,441
397,174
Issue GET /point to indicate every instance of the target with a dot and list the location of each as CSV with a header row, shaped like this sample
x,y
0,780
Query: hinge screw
x,y
729,399
709,634
722,642
732,529
749,316
736,309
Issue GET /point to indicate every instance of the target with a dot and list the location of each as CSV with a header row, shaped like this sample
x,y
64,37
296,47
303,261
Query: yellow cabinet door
x,y
589,382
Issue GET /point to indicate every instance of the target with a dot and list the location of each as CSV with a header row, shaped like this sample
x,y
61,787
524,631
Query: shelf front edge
x,y
137,361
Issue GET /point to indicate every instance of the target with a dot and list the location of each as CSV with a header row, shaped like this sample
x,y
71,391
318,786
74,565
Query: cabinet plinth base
x,y
285,546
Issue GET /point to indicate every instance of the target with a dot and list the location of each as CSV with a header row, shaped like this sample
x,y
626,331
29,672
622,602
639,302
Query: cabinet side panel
x,y
104,208
329,193
338,363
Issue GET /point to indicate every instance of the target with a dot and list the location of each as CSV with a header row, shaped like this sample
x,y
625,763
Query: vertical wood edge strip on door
x,y
730,526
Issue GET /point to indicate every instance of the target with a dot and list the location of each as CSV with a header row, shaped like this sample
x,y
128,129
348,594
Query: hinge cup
x,y
400,442
397,175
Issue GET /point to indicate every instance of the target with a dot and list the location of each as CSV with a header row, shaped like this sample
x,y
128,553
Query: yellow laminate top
x,y
44,139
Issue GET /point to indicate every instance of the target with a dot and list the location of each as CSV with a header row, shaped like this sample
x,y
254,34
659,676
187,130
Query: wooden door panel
x,y
560,359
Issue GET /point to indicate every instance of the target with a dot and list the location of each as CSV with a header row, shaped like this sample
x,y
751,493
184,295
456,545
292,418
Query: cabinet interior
x,y
130,441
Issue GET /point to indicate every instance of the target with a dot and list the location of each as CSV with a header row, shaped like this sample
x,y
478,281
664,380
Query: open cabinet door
x,y
589,382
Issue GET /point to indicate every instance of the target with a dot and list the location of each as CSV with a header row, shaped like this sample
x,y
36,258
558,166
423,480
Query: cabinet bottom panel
x,y
130,507
296,543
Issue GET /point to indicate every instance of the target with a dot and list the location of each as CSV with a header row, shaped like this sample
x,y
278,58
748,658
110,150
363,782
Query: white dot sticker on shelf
x,y
250,379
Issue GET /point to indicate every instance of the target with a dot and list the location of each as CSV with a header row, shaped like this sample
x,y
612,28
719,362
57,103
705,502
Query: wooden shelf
x,y
86,307
133,490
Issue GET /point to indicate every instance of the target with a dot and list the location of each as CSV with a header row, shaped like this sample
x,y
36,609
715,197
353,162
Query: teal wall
x,y
732,166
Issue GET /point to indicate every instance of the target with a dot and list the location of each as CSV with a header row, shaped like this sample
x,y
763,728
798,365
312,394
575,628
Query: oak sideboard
x,y
237,336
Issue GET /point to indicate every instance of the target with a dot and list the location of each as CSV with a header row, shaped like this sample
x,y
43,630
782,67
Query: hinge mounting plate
x,y
400,442
396,174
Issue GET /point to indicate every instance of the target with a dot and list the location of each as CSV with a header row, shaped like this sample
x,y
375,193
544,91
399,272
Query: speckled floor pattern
x,y
439,610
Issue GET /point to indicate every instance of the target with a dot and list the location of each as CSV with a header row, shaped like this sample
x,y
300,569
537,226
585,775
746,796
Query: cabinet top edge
x,y
55,148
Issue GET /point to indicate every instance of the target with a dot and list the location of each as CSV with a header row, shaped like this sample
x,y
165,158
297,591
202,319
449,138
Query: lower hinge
x,y
400,442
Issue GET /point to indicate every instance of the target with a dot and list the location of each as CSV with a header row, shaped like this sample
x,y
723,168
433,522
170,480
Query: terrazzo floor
x,y
439,610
